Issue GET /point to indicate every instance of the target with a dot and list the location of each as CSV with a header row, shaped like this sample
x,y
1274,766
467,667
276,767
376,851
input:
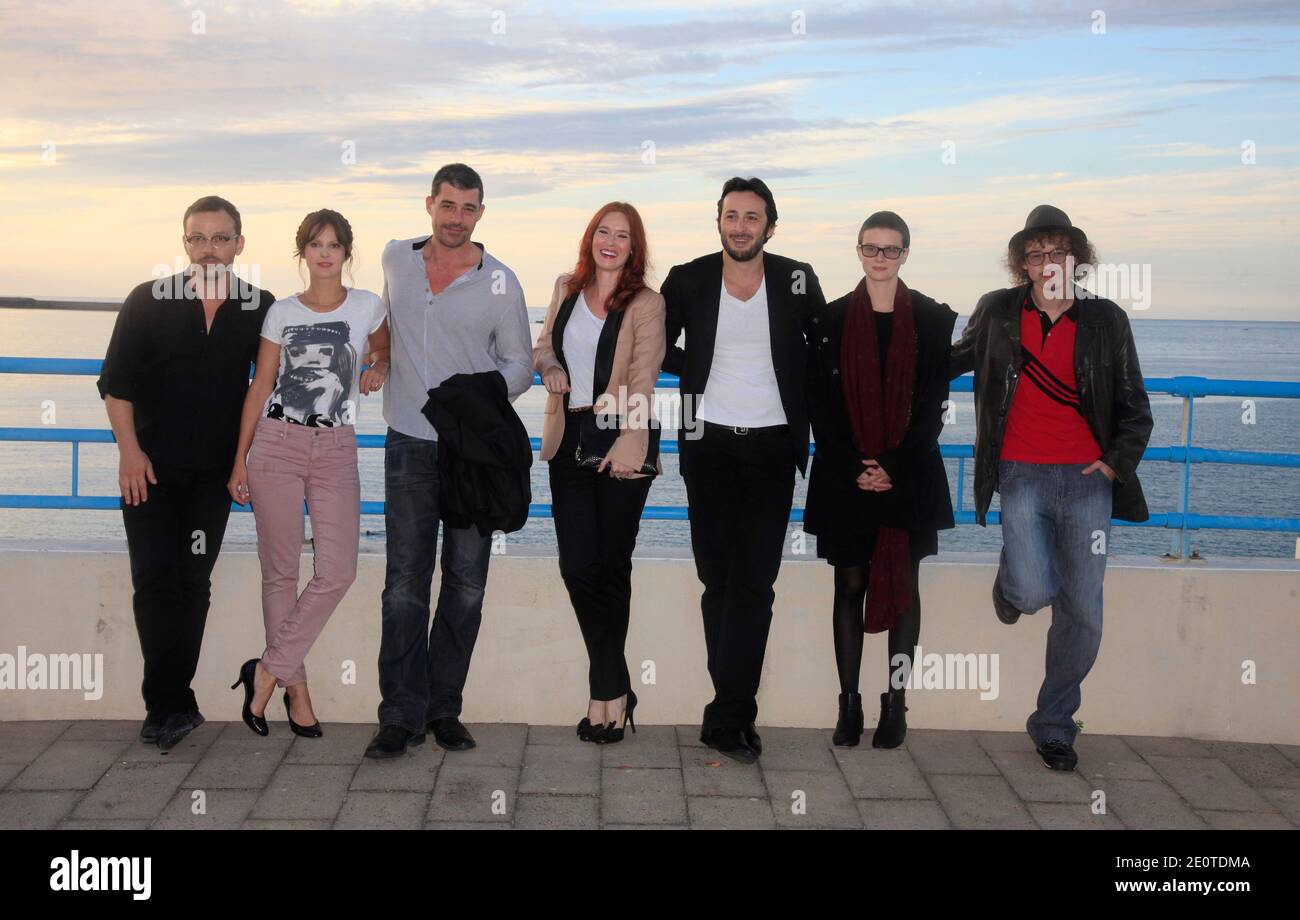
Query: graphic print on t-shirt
x,y
313,387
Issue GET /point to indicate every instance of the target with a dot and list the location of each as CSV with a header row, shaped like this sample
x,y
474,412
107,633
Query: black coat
x,y
919,499
1112,396
691,293
484,454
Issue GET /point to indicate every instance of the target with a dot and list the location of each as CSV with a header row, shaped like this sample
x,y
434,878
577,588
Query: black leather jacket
x,y
1109,380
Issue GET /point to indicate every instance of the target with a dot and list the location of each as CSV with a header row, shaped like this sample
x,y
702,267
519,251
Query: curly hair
x,y
1079,246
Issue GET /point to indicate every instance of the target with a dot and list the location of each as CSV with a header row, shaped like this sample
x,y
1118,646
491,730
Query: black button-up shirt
x,y
186,383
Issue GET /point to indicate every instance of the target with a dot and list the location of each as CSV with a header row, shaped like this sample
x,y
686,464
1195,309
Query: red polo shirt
x,y
1045,424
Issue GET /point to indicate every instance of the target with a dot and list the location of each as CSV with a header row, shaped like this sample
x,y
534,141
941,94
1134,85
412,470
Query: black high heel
x,y
587,731
246,674
302,731
613,732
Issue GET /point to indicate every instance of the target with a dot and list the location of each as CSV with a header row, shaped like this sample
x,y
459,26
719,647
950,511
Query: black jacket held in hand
x,y
919,499
484,455
1111,392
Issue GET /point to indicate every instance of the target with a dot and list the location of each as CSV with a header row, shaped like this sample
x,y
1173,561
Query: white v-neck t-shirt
x,y
581,337
741,389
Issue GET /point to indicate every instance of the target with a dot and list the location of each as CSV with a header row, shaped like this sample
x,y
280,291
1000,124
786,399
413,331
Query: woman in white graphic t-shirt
x,y
298,443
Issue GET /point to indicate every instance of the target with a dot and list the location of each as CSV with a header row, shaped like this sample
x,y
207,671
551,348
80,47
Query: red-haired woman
x,y
599,355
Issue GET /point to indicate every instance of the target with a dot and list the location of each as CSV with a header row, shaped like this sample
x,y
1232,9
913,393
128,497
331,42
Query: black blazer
x,y
919,499
691,294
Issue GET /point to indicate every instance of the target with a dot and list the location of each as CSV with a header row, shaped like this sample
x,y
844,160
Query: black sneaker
x,y
177,726
150,728
1001,606
1058,755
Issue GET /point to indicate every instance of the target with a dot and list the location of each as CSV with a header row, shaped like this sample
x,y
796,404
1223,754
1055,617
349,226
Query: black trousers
x,y
739,488
173,539
597,518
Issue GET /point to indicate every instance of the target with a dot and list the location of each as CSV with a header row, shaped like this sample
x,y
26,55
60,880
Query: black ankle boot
x,y
848,730
892,728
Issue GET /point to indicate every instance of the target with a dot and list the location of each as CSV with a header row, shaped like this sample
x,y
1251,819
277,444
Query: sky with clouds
x,y
1168,131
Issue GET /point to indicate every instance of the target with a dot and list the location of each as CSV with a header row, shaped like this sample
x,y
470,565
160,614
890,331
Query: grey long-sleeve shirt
x,y
479,323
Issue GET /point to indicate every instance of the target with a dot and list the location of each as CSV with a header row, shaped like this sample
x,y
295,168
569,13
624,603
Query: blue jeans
x,y
1055,527
422,672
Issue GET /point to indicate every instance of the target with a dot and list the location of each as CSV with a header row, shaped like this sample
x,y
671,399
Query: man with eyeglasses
x,y
1061,447
173,383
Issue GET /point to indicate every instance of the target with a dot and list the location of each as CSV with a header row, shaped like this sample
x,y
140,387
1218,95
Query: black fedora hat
x,y
1046,217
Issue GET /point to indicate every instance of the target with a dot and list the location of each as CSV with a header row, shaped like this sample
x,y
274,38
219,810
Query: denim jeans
x,y
422,671
1055,527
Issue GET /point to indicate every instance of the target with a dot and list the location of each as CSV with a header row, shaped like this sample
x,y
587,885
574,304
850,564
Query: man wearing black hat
x,y
1061,447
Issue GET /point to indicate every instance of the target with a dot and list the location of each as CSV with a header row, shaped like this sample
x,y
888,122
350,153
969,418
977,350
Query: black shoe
x,y
256,723
392,741
150,728
730,742
1058,755
613,732
450,734
177,726
752,738
892,728
302,731
848,728
587,731
1001,606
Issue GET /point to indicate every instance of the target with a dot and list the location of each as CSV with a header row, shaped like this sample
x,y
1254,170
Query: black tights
x,y
850,599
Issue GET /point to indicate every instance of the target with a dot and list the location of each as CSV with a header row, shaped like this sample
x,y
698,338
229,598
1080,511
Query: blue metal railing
x,y
1181,522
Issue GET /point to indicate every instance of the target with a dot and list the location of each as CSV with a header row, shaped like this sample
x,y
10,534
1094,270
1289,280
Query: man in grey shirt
x,y
452,308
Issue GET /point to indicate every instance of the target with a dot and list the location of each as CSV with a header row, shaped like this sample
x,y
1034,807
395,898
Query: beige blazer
x,y
638,356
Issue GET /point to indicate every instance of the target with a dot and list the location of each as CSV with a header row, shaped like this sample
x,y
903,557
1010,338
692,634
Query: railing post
x,y
961,481
1182,538
75,445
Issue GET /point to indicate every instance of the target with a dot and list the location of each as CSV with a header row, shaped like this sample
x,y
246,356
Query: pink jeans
x,y
286,464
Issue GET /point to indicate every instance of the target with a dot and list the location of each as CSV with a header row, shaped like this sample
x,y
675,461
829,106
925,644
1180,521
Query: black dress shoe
x,y
302,731
177,726
451,735
730,742
392,741
752,739
1058,755
892,727
1001,606
586,731
150,728
848,728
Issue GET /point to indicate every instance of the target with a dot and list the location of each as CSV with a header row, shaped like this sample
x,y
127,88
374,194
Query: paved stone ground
x,y
97,774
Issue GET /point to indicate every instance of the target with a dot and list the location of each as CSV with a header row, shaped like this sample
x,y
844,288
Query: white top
x,y
319,369
741,389
580,338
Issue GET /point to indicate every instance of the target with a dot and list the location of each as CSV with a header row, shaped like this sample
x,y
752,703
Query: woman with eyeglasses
x,y
599,355
877,492
298,442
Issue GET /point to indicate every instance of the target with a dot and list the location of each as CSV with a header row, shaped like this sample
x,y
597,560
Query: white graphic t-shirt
x,y
319,358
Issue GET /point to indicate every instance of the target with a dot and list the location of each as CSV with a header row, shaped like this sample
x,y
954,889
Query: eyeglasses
x,y
1036,256
889,252
217,239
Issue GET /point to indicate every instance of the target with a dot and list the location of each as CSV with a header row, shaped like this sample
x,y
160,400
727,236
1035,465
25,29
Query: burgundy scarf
x,y
879,415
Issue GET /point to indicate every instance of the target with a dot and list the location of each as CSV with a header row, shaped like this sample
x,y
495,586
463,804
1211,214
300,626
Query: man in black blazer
x,y
744,432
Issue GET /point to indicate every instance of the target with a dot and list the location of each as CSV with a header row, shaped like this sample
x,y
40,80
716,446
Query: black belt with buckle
x,y
743,430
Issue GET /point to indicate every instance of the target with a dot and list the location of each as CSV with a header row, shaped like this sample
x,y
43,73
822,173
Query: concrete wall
x,y
1171,663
